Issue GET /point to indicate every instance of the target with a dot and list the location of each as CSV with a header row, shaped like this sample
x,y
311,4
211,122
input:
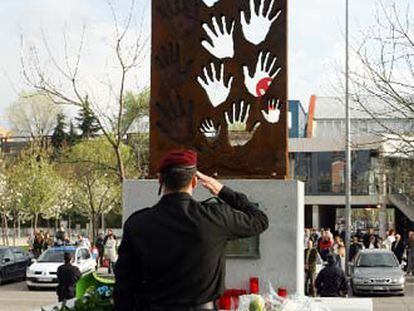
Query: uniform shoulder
x,y
138,214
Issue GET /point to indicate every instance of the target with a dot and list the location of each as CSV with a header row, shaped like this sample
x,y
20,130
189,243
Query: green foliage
x,y
35,179
136,108
93,300
59,136
87,122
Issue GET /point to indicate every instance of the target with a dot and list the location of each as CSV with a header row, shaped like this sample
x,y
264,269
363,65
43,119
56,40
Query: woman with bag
x,y
110,252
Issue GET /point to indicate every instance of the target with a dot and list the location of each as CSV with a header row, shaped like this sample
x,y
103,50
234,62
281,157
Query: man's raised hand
x,y
211,184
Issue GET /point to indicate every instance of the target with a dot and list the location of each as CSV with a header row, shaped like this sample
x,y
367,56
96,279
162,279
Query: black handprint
x,y
173,72
181,15
176,120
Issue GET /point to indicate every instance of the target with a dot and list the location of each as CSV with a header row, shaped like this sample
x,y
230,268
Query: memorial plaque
x,y
219,85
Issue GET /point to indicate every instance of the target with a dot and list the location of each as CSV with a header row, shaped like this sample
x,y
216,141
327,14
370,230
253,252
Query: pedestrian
x,y
331,281
172,256
354,248
311,257
367,238
67,276
410,253
59,236
341,257
37,245
390,239
325,245
307,236
47,241
373,242
398,248
83,241
100,245
110,251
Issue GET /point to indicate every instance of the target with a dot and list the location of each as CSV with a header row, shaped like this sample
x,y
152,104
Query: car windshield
x,y
377,260
55,255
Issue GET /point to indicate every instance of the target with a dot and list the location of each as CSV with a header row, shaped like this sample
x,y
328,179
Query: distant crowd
x,y
104,248
324,243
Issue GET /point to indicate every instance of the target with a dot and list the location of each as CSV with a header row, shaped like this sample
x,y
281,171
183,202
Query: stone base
x,y
281,245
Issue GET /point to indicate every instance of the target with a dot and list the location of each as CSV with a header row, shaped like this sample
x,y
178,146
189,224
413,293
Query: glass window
x,y
8,254
377,260
54,255
18,254
85,253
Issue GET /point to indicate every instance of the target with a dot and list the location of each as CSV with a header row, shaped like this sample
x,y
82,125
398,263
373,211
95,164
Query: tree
x,y
384,71
383,76
72,136
87,123
90,166
35,179
33,115
59,136
65,85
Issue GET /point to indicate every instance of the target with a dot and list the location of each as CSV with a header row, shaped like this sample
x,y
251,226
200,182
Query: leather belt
x,y
208,306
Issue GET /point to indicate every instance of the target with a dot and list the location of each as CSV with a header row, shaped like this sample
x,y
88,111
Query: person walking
x,y
331,281
47,241
325,245
410,253
38,244
398,248
100,245
110,251
354,248
172,256
67,276
311,256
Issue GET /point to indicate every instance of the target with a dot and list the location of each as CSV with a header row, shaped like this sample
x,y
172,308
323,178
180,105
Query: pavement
x,y
16,297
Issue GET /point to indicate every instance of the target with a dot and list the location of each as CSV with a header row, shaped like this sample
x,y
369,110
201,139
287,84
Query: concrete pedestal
x,y
281,245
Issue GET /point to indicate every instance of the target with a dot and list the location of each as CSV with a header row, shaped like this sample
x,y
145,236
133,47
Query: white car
x,y
42,273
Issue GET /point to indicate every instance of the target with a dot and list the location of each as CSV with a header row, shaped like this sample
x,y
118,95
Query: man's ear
x,y
194,181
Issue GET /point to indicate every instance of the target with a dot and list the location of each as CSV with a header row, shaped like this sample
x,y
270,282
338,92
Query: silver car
x,y
377,271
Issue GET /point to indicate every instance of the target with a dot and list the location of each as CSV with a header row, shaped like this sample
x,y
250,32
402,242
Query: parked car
x,y
43,272
13,263
377,271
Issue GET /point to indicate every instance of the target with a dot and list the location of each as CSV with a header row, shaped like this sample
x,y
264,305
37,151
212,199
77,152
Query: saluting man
x,y
172,255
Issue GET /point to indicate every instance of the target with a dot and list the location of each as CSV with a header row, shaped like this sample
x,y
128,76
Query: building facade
x,y
318,159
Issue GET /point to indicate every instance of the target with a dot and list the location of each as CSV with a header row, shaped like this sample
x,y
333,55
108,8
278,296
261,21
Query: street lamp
x,y
347,142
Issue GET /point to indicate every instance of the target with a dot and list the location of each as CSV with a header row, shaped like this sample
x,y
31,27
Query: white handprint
x,y
222,44
273,111
256,30
209,130
216,88
210,3
262,78
237,126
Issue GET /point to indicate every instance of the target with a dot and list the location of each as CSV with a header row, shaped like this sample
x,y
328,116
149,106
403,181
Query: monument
x,y
219,86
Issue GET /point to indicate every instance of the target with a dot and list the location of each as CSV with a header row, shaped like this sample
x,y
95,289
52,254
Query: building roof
x,y
334,108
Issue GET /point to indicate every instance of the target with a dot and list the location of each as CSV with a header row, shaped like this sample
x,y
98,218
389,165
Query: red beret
x,y
178,158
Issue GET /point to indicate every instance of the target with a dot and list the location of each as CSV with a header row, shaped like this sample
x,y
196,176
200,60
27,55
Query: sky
x,y
316,41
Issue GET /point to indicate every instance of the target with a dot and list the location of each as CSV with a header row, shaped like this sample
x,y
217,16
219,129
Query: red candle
x,y
225,301
254,285
282,292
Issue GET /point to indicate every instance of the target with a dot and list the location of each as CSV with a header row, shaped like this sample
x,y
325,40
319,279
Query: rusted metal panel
x,y
219,85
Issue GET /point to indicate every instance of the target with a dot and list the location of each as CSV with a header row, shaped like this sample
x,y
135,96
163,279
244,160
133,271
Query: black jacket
x,y
398,249
331,282
173,253
354,249
67,276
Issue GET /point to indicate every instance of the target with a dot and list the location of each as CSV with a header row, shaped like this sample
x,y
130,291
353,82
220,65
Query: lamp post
x,y
347,142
